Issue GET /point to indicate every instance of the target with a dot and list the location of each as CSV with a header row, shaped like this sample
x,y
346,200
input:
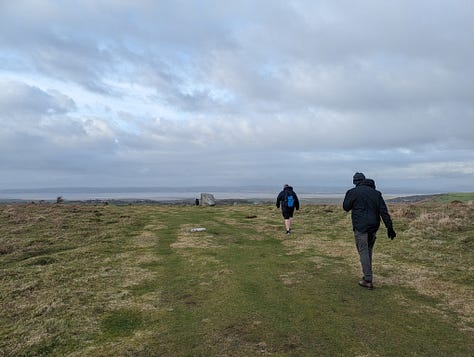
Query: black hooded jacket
x,y
367,205
282,195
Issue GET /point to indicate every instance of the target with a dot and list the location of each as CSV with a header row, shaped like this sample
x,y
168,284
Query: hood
x,y
368,182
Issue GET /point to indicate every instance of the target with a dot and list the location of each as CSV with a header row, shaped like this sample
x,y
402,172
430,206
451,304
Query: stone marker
x,y
207,199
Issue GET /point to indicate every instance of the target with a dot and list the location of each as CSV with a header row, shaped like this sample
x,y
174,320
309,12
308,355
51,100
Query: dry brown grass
x,y
437,242
439,220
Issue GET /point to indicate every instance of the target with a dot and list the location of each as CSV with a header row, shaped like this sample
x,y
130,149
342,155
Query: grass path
x,y
134,280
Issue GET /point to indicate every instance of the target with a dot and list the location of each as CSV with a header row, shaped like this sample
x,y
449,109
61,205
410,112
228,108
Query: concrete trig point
x,y
207,199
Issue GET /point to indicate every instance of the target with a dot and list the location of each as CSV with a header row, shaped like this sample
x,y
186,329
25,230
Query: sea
x,y
150,193
168,193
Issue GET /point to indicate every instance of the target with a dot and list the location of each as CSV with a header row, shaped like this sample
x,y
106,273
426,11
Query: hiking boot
x,y
366,284
288,232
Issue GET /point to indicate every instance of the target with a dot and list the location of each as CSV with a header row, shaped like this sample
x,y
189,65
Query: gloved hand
x,y
391,233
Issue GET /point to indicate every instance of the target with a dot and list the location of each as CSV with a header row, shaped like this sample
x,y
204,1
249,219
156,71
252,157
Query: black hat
x,y
358,178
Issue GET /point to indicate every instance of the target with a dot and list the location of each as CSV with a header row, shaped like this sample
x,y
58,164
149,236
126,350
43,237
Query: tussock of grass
x,y
438,220
134,280
404,211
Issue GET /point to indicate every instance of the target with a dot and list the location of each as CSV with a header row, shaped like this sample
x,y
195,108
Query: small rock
x,y
198,229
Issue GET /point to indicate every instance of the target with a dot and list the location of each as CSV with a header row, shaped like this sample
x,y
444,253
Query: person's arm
x,y
387,220
348,201
279,198
297,203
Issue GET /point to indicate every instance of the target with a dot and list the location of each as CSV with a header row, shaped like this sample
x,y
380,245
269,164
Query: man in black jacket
x,y
367,205
289,202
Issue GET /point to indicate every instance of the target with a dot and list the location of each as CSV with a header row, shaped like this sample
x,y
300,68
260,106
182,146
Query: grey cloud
x,y
39,125
75,62
20,98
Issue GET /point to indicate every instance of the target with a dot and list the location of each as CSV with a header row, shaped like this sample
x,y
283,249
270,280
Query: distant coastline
x,y
182,196
163,197
152,193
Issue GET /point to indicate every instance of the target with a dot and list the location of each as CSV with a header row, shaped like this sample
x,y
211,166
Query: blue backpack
x,y
290,200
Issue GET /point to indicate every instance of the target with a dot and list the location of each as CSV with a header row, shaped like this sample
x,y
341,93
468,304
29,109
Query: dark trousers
x,y
365,246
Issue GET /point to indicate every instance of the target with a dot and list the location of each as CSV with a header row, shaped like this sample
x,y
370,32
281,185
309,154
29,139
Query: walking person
x,y
367,206
288,200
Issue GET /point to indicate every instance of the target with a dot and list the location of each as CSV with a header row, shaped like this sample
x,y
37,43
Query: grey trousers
x,y
365,246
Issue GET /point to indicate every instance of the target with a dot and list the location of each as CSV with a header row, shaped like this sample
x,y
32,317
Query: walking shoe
x,y
366,284
288,232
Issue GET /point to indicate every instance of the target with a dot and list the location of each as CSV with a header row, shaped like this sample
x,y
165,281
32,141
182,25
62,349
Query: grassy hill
x,y
85,280
465,197
450,197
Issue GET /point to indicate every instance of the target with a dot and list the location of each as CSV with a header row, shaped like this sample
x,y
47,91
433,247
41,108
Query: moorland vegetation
x,y
137,280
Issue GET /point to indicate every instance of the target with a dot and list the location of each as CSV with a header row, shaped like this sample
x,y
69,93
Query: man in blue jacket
x,y
289,202
367,206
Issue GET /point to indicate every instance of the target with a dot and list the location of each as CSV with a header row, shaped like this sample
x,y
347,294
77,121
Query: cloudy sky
x,y
187,93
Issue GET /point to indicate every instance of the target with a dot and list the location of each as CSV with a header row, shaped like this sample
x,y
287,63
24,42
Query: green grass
x,y
450,197
134,280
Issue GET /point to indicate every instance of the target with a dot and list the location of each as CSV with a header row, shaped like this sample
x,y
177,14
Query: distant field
x,y
449,197
441,197
134,280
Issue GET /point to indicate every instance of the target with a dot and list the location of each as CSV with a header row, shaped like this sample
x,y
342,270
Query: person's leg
x,y
288,220
362,244
370,243
286,217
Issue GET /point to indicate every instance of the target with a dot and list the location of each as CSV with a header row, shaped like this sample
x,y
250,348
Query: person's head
x,y
286,185
370,183
358,178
